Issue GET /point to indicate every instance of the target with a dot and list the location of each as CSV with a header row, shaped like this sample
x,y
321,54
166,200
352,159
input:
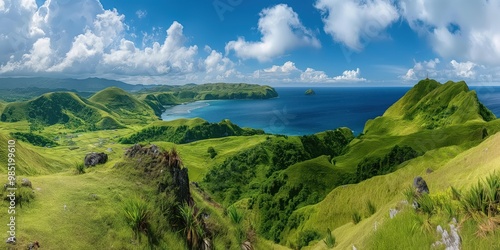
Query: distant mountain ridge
x,y
83,85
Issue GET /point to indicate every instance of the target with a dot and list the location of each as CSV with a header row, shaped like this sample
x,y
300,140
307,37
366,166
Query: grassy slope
x,y
126,106
452,168
61,107
198,160
56,185
430,105
456,160
442,146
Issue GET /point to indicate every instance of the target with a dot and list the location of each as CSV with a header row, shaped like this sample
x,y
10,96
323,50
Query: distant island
x,y
310,92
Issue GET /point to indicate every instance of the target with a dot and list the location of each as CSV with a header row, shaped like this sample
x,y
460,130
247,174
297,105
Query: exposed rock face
x,y
393,212
94,158
420,185
450,240
165,165
138,150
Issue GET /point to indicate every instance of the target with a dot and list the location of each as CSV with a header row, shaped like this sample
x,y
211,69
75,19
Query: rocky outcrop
x,y
138,150
165,165
451,240
420,185
94,158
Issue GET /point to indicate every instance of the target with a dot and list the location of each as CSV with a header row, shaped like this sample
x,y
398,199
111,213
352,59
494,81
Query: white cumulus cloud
x,y
169,57
464,69
287,67
355,22
350,75
462,29
422,70
288,72
455,70
281,31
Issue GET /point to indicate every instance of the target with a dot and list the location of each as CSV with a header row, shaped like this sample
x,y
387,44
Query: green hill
x,y
262,189
188,130
159,97
126,106
430,105
61,108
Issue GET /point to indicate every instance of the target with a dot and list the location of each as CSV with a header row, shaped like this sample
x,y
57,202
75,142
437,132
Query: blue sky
x,y
293,43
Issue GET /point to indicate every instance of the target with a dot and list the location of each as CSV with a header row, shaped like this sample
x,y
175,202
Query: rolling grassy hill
x,y
454,139
430,105
265,189
59,108
128,108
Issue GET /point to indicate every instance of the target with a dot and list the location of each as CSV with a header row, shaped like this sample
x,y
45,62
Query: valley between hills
x,y
192,184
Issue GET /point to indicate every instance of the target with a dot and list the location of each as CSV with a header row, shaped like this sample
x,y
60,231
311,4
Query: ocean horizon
x,y
294,113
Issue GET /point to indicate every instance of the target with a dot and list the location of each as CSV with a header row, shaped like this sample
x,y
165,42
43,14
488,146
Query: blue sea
x,y
294,113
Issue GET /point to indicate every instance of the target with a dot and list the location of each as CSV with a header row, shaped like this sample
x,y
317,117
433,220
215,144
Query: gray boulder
x,y
420,185
93,159
26,183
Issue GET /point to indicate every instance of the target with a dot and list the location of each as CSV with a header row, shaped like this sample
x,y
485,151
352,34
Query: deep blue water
x,y
294,113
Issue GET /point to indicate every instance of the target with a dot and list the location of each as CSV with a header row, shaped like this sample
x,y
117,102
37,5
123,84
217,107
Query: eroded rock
x,y
420,185
94,158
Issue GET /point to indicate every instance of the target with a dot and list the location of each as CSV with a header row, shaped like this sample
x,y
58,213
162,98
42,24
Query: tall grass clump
x,y
330,239
356,217
235,215
426,204
483,198
80,168
371,207
138,215
409,194
191,228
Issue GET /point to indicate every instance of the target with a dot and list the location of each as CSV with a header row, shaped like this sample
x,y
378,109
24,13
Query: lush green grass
x,y
430,105
78,207
126,106
188,131
291,194
453,166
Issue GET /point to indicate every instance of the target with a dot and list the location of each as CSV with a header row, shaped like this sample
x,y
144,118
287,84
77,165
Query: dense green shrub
x,y
34,139
330,239
211,151
372,166
185,134
305,237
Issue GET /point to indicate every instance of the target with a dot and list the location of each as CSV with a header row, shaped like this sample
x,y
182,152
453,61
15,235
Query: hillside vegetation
x,y
124,105
185,131
191,184
114,108
65,108
430,105
159,97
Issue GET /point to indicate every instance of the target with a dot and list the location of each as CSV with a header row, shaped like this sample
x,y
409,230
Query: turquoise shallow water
x,y
294,113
